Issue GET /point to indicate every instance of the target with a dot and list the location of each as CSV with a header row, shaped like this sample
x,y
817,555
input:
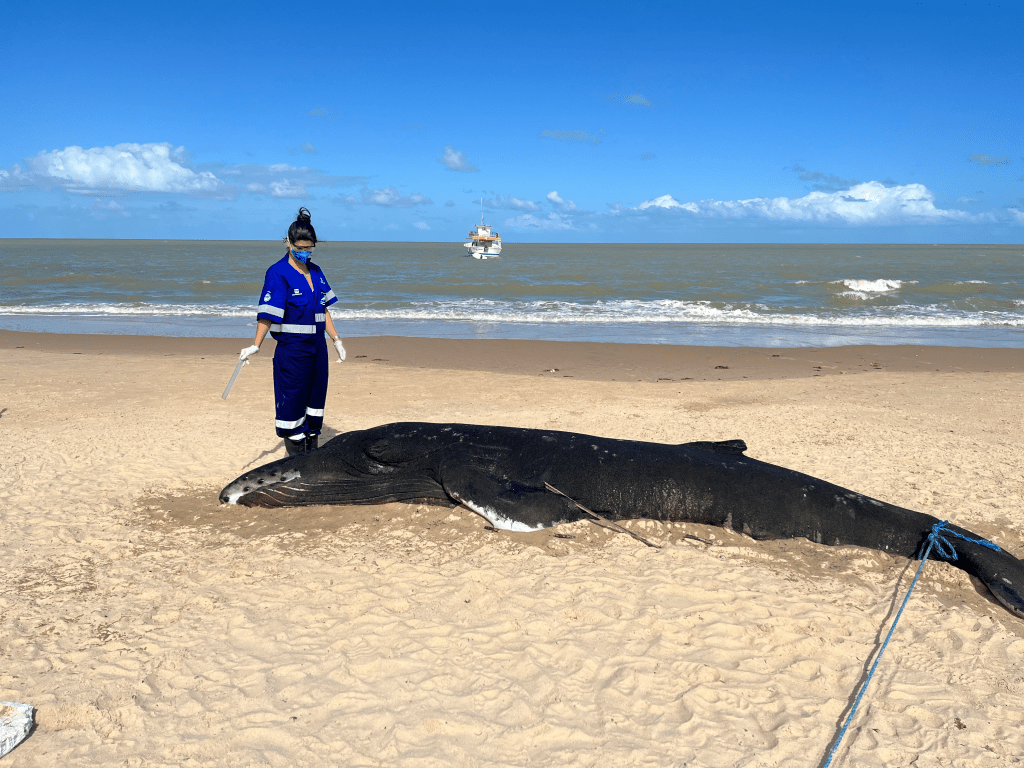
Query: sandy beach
x,y
151,626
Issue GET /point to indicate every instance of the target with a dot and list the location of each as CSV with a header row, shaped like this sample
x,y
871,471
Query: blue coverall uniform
x,y
298,323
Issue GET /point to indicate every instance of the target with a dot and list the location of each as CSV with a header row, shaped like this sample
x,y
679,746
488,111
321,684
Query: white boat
x,y
482,243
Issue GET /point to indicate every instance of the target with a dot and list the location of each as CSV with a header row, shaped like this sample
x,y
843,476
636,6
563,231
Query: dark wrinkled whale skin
x,y
500,473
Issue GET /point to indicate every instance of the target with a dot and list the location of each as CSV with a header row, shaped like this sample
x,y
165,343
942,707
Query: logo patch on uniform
x,y
296,292
266,297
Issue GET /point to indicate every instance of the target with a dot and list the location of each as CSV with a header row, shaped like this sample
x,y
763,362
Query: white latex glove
x,y
248,352
341,350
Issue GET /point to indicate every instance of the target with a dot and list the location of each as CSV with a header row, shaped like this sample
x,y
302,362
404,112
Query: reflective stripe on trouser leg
x,y
294,367
318,389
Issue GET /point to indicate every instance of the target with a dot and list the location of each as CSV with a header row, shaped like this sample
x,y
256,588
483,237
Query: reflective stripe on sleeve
x,y
267,309
286,328
289,424
314,411
330,295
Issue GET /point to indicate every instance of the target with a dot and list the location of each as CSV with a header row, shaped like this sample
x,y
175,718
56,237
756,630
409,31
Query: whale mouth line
x,y
276,496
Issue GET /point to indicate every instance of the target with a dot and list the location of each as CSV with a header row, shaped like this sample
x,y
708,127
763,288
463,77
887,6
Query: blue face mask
x,y
302,256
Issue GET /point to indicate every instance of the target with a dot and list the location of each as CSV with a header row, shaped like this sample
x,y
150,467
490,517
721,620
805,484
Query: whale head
x,y
353,468
267,486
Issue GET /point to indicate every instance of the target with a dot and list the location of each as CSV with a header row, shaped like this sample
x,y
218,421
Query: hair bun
x,y
302,228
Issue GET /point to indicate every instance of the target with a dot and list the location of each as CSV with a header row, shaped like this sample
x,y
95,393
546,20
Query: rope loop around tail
x,y
937,538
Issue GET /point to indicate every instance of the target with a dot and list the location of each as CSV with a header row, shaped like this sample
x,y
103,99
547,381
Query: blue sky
x,y
574,122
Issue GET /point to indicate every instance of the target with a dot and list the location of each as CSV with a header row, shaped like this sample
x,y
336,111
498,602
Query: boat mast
x,y
481,211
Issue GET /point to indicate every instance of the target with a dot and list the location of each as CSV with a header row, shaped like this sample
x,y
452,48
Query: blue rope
x,y
943,545
945,548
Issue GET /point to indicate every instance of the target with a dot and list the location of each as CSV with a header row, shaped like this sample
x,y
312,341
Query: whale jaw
x,y
271,484
306,480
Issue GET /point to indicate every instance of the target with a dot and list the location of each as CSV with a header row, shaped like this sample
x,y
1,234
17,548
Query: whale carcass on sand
x,y
503,474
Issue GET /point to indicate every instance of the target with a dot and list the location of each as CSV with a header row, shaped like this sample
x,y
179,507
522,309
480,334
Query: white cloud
x,y
565,205
287,189
666,201
454,160
867,203
511,203
391,198
14,178
421,225
140,168
522,205
530,221
580,136
124,167
264,175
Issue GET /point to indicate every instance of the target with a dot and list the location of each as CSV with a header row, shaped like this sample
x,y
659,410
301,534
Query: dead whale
x,y
502,473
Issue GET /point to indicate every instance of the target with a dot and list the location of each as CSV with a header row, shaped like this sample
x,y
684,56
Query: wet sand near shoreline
x,y
585,360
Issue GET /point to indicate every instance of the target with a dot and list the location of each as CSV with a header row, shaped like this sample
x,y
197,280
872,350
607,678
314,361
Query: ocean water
x,y
730,295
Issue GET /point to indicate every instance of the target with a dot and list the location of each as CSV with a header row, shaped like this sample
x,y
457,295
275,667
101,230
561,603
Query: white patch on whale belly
x,y
498,520
291,474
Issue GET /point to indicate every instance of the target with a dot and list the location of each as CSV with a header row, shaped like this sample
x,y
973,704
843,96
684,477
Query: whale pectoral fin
x,y
507,504
734,447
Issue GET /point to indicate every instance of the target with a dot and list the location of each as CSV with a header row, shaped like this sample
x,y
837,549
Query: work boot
x,y
311,442
294,447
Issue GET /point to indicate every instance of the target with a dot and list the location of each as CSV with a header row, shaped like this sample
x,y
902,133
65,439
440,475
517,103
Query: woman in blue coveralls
x,y
293,308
